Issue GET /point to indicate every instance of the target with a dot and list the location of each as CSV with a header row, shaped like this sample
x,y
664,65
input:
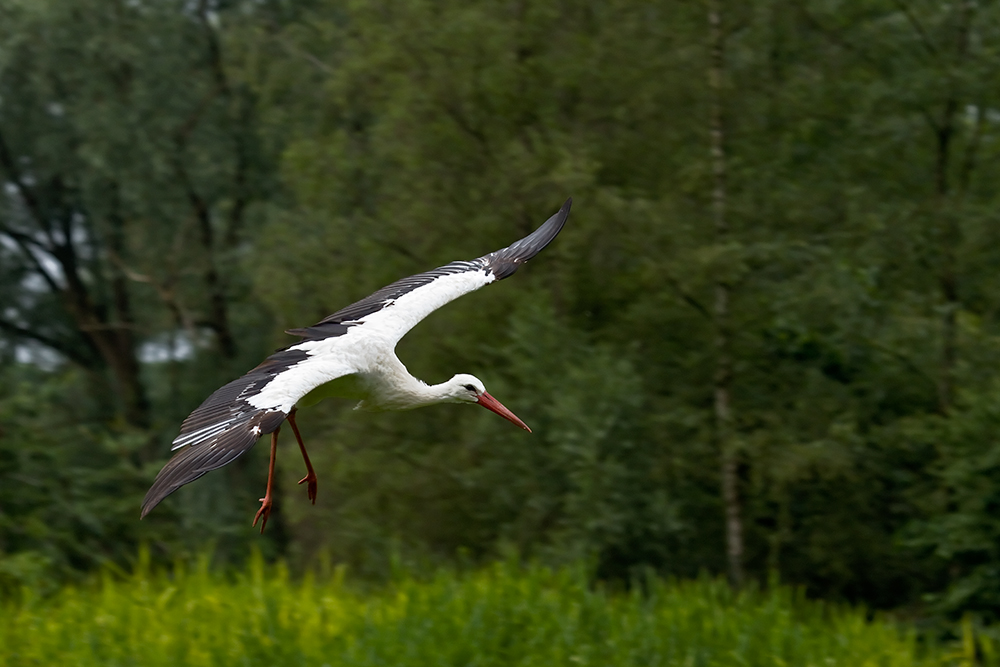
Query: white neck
x,y
405,392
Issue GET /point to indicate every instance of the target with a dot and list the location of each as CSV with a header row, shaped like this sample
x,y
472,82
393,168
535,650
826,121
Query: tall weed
x,y
505,614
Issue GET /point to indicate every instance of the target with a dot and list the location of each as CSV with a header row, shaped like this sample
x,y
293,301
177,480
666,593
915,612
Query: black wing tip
x,y
152,500
503,263
555,223
560,218
177,472
192,461
535,242
164,484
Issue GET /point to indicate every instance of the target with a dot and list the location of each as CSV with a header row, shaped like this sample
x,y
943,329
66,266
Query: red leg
x,y
310,477
265,502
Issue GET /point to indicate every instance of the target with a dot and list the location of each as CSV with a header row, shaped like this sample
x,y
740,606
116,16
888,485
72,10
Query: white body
x,y
367,351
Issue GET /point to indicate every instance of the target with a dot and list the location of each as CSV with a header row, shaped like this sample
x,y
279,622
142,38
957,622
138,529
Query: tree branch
x,y
23,241
59,346
219,320
971,150
833,36
310,58
9,164
166,293
917,26
906,361
687,298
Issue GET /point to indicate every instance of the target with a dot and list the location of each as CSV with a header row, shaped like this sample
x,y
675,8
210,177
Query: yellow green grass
x,y
505,614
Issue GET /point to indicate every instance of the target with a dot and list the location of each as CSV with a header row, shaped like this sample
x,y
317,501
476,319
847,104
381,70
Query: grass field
x,y
502,615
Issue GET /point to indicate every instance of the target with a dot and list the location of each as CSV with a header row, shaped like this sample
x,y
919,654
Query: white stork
x,y
350,354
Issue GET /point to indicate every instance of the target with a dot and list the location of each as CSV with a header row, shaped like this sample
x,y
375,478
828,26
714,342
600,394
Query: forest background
x,y
765,342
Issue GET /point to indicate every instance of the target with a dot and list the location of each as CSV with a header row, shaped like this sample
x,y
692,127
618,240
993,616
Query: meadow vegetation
x,y
506,614
766,341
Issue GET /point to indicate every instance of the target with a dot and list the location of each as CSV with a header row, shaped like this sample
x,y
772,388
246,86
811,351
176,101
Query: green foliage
x,y
859,192
502,615
572,489
129,170
270,162
67,488
961,501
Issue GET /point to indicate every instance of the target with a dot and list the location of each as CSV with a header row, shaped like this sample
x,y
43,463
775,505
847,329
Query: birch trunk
x,y
723,360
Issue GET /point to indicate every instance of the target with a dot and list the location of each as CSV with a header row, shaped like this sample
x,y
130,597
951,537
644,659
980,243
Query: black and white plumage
x,y
348,354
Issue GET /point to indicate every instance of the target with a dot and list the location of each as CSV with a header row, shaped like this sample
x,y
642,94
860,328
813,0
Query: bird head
x,y
464,388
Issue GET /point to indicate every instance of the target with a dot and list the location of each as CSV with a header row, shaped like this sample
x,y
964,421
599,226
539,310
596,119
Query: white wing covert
x,y
397,308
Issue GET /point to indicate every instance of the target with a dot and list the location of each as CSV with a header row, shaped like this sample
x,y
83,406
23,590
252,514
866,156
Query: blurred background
x,y
765,343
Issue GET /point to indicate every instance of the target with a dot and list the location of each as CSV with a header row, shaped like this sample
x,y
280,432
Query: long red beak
x,y
496,406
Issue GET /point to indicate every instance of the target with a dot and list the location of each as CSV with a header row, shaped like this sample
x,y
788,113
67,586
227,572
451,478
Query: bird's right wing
x,y
397,308
230,421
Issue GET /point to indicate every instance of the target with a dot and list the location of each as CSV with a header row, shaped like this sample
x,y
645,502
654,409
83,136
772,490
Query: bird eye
x,y
469,387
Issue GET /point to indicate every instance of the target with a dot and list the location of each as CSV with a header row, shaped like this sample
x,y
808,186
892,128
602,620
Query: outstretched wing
x,y
230,421
397,308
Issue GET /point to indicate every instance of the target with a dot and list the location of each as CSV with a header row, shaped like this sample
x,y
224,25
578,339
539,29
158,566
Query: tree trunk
x,y
723,360
125,364
106,328
948,227
109,328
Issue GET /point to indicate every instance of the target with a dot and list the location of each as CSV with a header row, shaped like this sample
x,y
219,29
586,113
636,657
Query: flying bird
x,y
350,354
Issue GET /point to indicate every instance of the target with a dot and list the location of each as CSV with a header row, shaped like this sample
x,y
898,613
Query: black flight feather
x,y
222,428
501,263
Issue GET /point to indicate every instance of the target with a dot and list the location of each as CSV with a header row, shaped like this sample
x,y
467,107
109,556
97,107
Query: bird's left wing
x,y
229,422
397,308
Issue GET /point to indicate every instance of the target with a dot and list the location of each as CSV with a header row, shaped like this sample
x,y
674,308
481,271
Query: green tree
x,y
129,161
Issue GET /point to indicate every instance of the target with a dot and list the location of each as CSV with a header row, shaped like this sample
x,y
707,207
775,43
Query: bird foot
x,y
264,512
311,488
